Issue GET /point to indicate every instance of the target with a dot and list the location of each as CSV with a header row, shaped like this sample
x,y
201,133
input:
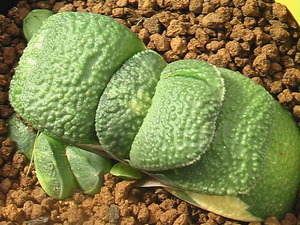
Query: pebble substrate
x,y
256,37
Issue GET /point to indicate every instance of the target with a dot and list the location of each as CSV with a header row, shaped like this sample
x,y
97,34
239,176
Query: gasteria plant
x,y
211,135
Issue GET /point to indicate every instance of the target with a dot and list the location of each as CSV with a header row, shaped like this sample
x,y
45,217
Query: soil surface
x,y
256,37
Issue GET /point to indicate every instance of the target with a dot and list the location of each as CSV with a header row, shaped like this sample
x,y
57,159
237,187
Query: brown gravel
x,y
256,37
118,202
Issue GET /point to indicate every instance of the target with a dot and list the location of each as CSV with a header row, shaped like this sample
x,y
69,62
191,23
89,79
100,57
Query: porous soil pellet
x,y
255,37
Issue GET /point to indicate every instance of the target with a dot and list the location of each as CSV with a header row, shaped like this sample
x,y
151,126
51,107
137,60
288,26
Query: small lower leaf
x,y
88,168
52,167
126,172
34,20
22,135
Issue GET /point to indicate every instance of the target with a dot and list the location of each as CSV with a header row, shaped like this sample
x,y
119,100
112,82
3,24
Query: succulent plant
x,y
210,135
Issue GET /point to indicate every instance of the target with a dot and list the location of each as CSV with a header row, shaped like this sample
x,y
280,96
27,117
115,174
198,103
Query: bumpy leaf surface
x,y
180,123
237,152
125,102
278,183
65,69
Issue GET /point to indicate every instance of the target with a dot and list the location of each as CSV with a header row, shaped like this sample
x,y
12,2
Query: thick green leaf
x,y
126,100
235,159
277,187
180,123
64,70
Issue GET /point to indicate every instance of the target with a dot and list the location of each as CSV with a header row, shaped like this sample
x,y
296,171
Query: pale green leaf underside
x,y
235,158
180,123
64,70
125,102
229,206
